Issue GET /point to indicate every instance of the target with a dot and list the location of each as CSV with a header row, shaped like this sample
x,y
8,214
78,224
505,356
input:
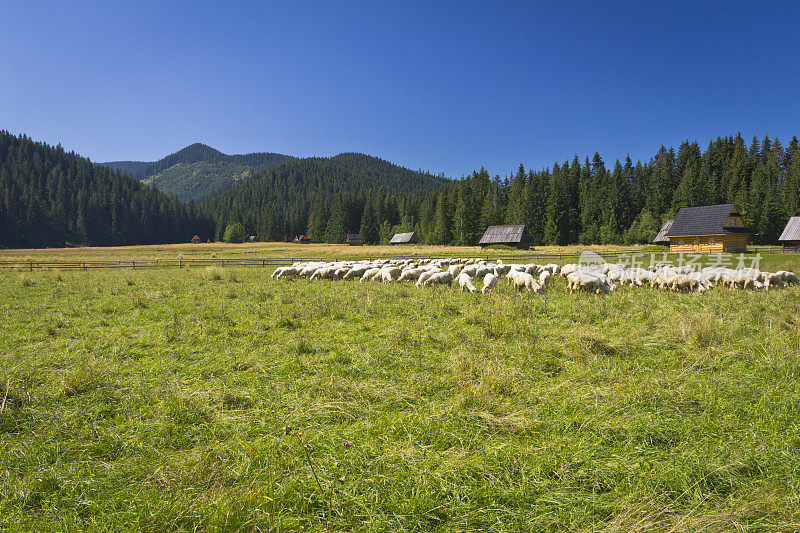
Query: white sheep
x,y
523,280
489,282
465,282
389,274
369,274
439,278
544,278
425,275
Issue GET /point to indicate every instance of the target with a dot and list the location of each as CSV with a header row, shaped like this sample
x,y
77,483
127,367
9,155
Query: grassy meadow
x,y
282,250
220,399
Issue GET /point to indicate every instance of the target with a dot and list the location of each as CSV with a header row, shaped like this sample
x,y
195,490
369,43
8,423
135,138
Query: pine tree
x,y
369,229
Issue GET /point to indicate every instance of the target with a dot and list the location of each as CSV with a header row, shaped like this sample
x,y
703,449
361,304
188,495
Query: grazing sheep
x,y
439,278
544,278
410,274
482,271
455,270
323,273
283,272
470,270
356,272
425,275
523,281
389,274
790,278
553,268
369,274
465,282
501,270
585,281
684,283
568,269
772,281
489,282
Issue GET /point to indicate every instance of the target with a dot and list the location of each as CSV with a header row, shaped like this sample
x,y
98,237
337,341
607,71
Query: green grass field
x,y
208,399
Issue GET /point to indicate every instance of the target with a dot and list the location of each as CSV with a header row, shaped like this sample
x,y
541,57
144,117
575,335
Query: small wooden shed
x,y
662,238
354,239
790,238
196,240
301,239
404,238
708,229
510,235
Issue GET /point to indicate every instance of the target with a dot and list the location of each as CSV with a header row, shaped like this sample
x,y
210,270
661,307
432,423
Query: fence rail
x,y
28,264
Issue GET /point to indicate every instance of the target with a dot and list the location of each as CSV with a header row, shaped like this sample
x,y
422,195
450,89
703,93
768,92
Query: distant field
x,y
159,400
279,249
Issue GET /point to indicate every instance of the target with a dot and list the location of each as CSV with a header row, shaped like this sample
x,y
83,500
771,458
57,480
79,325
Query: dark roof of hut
x,y
355,238
662,235
514,233
704,220
792,230
404,238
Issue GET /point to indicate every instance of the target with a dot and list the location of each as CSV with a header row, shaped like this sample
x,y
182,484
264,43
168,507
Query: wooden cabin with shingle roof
x,y
354,239
708,229
509,235
404,238
790,238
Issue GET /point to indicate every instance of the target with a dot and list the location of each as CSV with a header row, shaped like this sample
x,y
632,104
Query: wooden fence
x,y
263,262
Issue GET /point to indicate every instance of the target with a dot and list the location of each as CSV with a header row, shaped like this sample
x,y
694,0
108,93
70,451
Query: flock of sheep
x,y
597,278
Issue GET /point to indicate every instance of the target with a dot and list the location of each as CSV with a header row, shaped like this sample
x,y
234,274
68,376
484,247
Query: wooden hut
x,y
662,238
510,235
790,238
404,238
354,239
709,228
301,239
195,240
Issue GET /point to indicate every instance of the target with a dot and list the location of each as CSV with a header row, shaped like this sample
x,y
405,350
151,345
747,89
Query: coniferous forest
x,y
49,197
580,201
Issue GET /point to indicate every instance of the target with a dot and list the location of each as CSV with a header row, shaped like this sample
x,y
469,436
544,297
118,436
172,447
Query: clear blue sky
x,y
444,86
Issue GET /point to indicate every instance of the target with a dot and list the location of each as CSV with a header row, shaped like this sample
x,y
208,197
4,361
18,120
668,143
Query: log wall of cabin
x,y
728,243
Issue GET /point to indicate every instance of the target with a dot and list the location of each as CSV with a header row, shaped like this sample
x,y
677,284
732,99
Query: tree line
x,y
575,201
49,197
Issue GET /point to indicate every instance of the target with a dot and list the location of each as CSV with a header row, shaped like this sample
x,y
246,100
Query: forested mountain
x,y
198,171
276,204
570,202
49,197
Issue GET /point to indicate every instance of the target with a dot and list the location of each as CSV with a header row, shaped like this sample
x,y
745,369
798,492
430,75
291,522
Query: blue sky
x,y
443,86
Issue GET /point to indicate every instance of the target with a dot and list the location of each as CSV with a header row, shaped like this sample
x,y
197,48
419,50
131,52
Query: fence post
x,y
133,264
84,266
31,265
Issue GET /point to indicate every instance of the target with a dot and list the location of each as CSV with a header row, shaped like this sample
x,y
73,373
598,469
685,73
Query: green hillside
x,y
197,181
278,203
49,197
198,171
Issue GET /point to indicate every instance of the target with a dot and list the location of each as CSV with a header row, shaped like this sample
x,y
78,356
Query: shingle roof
x,y
704,220
355,238
792,230
404,238
505,234
662,235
